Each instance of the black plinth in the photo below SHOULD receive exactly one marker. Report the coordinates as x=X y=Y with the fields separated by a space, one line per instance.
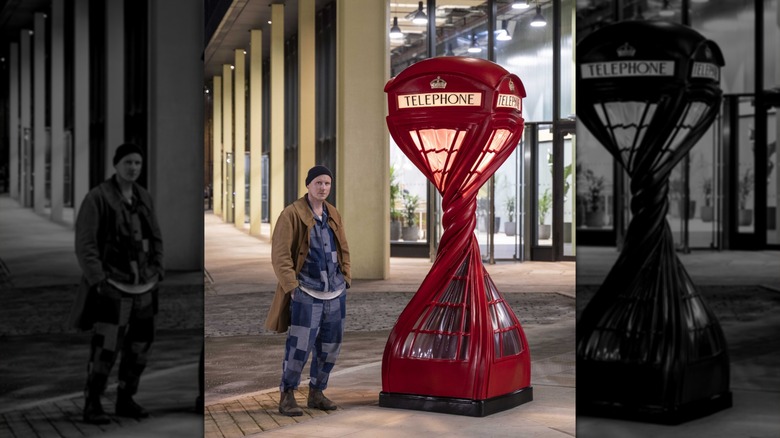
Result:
x=657 y=414
x=645 y=393
x=457 y=406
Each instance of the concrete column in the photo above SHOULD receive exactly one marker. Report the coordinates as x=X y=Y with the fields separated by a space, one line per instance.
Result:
x=216 y=120
x=176 y=128
x=13 y=121
x=276 y=194
x=363 y=157
x=255 y=130
x=57 y=109
x=25 y=118
x=80 y=102
x=227 y=142
x=239 y=103
x=40 y=141
x=307 y=34
x=115 y=79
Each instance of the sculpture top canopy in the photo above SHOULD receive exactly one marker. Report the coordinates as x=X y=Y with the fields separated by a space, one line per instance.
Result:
x=456 y=118
x=648 y=91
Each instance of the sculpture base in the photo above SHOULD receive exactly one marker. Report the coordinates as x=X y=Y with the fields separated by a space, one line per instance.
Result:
x=457 y=406
x=655 y=414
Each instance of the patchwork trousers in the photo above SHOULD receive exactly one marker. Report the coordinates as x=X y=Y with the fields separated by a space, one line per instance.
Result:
x=125 y=323
x=316 y=325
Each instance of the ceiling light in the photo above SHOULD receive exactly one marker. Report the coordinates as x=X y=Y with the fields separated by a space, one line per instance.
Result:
x=503 y=33
x=395 y=31
x=521 y=4
x=538 y=20
x=419 y=16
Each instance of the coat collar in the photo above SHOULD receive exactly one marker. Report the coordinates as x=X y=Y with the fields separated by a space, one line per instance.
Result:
x=111 y=189
x=303 y=210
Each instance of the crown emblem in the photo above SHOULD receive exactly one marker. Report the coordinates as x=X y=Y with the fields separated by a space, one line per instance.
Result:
x=708 y=52
x=511 y=86
x=438 y=83
x=625 y=50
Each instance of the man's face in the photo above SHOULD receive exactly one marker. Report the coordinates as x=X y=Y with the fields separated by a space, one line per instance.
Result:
x=319 y=188
x=129 y=167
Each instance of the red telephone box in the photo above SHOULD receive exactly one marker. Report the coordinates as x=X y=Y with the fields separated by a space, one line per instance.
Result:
x=457 y=347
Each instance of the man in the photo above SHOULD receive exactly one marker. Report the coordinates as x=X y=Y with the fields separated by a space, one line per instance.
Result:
x=310 y=256
x=119 y=248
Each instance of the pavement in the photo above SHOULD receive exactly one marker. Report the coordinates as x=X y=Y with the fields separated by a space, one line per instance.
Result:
x=243 y=360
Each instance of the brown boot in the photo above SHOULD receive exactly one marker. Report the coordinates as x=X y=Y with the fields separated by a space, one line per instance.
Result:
x=317 y=400
x=288 y=406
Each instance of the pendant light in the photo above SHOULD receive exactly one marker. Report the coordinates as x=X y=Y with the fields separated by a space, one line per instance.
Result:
x=395 y=31
x=419 y=16
x=503 y=33
x=538 y=20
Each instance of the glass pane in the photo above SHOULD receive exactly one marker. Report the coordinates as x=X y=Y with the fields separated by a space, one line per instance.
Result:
x=569 y=248
x=507 y=200
x=594 y=183
x=409 y=206
x=528 y=54
x=412 y=46
x=461 y=29
x=544 y=188
x=511 y=343
x=773 y=183
x=746 y=176
x=703 y=216
x=423 y=346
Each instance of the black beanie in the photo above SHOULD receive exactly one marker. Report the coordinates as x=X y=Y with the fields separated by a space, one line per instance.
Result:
x=126 y=149
x=316 y=171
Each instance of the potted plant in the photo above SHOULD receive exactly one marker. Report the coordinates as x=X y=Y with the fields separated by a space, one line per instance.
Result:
x=744 y=188
x=707 y=212
x=545 y=202
x=566 y=186
x=510 y=226
x=676 y=204
x=395 y=214
x=595 y=214
x=410 y=231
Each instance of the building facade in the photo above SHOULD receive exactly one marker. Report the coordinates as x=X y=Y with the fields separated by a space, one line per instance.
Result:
x=294 y=84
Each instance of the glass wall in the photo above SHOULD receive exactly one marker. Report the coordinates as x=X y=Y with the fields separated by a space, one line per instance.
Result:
x=463 y=28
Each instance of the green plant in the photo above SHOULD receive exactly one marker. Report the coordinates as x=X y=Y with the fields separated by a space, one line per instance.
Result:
x=707 y=189
x=410 y=208
x=744 y=188
x=509 y=205
x=545 y=202
x=395 y=193
x=595 y=185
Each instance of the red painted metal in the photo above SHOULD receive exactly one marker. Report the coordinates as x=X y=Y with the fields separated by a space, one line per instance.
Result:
x=457 y=119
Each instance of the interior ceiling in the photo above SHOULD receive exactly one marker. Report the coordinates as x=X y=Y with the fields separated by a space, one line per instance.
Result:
x=241 y=17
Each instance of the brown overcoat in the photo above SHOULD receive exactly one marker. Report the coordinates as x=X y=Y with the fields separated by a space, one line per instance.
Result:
x=289 y=247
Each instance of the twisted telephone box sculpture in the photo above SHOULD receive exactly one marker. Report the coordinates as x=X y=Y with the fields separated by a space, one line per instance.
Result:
x=457 y=347
x=648 y=347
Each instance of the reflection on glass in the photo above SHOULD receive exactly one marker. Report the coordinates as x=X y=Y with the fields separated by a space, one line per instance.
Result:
x=544 y=189
x=594 y=183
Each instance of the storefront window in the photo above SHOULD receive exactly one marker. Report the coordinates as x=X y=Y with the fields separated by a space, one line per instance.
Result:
x=594 y=183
